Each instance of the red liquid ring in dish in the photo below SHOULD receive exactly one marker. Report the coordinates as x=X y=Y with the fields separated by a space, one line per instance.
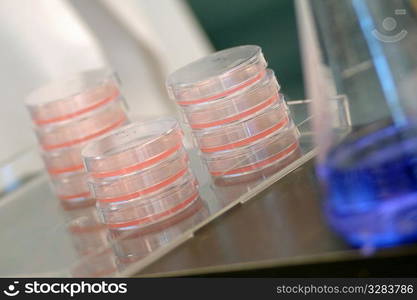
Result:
x=72 y=97
x=253 y=157
x=153 y=208
x=142 y=182
x=217 y=75
x=245 y=132
x=132 y=148
x=238 y=106
x=83 y=129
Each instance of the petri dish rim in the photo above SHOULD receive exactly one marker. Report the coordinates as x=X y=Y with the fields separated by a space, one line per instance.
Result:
x=89 y=153
x=189 y=82
x=36 y=99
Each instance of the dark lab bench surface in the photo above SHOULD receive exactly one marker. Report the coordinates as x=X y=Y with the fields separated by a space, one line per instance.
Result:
x=282 y=233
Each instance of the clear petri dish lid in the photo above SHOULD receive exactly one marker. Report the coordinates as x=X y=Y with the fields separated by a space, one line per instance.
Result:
x=133 y=147
x=217 y=75
x=71 y=97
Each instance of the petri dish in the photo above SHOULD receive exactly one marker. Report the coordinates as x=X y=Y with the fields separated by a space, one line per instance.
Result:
x=141 y=182
x=65 y=160
x=152 y=208
x=217 y=75
x=254 y=157
x=132 y=148
x=245 y=132
x=235 y=107
x=82 y=129
x=135 y=243
x=72 y=97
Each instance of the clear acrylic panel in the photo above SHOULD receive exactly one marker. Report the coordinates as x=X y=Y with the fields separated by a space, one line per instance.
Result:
x=42 y=237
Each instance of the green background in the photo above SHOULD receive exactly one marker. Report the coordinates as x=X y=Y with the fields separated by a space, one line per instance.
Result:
x=270 y=24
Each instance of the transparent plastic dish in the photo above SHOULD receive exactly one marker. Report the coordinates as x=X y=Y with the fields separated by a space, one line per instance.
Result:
x=63 y=160
x=84 y=128
x=254 y=157
x=238 y=134
x=257 y=173
x=235 y=107
x=154 y=207
x=142 y=182
x=71 y=186
x=217 y=75
x=132 y=148
x=72 y=97
x=135 y=243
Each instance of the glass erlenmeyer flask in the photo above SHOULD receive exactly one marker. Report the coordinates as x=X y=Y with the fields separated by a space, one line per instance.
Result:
x=365 y=50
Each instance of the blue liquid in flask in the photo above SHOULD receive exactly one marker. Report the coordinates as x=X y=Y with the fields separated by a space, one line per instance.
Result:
x=371 y=183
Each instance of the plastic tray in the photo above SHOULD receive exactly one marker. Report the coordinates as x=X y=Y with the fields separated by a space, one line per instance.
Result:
x=48 y=247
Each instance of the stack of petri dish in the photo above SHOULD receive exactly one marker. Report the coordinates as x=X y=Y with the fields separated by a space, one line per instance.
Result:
x=140 y=174
x=68 y=114
x=233 y=105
